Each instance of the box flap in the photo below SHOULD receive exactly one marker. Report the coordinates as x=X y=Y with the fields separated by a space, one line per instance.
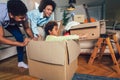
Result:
x=73 y=49
x=86 y=25
x=47 y=51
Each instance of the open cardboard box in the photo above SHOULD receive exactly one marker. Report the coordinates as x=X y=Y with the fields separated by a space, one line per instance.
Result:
x=93 y=29
x=53 y=60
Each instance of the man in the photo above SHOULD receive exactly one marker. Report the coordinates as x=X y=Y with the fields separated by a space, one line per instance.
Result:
x=12 y=15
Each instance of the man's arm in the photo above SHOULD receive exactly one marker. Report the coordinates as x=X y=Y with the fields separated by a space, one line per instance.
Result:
x=29 y=32
x=4 y=40
x=28 y=29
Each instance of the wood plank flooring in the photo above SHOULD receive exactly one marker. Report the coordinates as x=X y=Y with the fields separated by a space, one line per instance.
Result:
x=9 y=70
x=103 y=67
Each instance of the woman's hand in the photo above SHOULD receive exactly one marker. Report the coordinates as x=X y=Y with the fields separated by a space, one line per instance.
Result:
x=39 y=37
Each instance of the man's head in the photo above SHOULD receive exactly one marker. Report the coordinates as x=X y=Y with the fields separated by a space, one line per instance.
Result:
x=17 y=10
x=51 y=28
x=47 y=7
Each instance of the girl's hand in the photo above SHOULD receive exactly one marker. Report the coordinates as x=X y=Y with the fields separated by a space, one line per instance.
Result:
x=83 y=36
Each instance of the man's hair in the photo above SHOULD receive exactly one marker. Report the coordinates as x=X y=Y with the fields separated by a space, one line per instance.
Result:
x=44 y=3
x=49 y=26
x=16 y=7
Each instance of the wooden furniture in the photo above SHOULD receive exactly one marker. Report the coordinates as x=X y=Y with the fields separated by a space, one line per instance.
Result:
x=103 y=41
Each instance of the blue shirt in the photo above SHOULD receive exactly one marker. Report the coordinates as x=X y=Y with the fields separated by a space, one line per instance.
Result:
x=36 y=19
x=4 y=17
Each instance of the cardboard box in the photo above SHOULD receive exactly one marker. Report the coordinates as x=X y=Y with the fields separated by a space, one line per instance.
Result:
x=53 y=60
x=93 y=29
x=79 y=18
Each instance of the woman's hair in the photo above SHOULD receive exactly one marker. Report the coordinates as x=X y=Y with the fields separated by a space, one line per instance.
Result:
x=44 y=3
x=16 y=7
x=49 y=26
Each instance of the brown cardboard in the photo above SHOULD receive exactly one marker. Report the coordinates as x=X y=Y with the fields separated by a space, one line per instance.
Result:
x=55 y=60
x=93 y=29
x=60 y=27
x=79 y=18
x=102 y=26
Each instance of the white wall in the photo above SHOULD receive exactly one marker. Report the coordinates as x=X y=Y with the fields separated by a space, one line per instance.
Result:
x=31 y=3
x=3 y=1
x=61 y=3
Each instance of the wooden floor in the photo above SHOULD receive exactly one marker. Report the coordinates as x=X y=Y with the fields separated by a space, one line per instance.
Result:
x=104 y=67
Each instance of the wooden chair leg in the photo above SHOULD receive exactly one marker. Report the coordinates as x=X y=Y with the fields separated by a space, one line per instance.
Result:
x=95 y=50
x=116 y=43
x=106 y=42
x=113 y=55
x=103 y=47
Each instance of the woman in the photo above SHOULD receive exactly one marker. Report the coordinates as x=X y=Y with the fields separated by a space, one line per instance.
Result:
x=41 y=16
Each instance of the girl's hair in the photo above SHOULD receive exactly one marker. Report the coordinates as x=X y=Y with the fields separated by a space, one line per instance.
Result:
x=16 y=7
x=44 y=3
x=49 y=26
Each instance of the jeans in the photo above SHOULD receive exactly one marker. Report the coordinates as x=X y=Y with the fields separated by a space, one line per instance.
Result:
x=15 y=31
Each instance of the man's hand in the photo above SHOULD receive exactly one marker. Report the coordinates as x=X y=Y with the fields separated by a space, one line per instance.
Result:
x=26 y=41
